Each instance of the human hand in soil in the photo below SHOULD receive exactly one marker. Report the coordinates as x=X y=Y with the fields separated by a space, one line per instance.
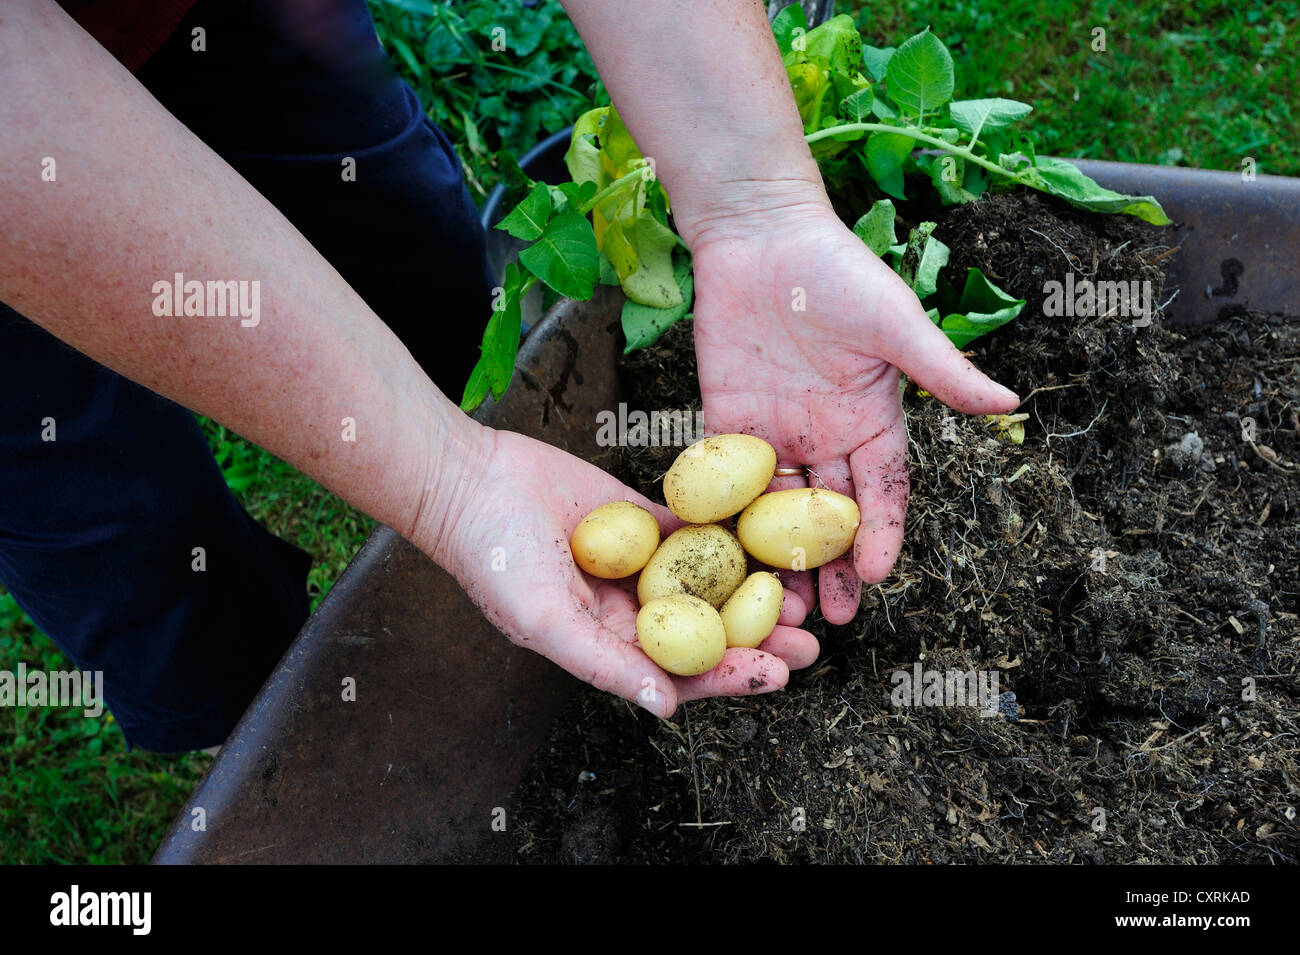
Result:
x=800 y=333
x=527 y=498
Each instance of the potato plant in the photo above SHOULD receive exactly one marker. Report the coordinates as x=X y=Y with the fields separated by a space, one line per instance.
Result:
x=872 y=117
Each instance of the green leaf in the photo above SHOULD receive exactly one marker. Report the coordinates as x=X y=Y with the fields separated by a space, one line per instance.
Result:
x=876 y=60
x=952 y=190
x=641 y=251
x=608 y=274
x=876 y=228
x=920 y=74
x=643 y=324
x=476 y=389
x=924 y=257
x=972 y=116
x=527 y=220
x=934 y=256
x=496 y=362
x=1017 y=162
x=501 y=338
x=573 y=194
x=785 y=23
x=564 y=256
x=1062 y=178
x=983 y=307
x=975 y=181
x=886 y=155
x=856 y=108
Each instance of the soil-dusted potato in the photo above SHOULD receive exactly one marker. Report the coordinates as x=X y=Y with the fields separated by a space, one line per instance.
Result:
x=615 y=540
x=705 y=561
x=682 y=634
x=718 y=476
x=799 y=529
x=751 y=612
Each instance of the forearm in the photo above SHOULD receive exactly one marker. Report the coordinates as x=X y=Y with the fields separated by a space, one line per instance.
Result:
x=136 y=198
x=703 y=91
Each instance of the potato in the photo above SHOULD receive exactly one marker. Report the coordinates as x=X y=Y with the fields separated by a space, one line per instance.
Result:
x=799 y=529
x=705 y=561
x=718 y=476
x=751 y=612
x=682 y=634
x=615 y=540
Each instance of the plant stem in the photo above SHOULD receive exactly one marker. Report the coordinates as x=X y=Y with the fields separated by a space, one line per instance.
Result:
x=637 y=175
x=489 y=65
x=914 y=134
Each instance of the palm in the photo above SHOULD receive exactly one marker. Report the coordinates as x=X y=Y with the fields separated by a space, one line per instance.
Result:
x=800 y=333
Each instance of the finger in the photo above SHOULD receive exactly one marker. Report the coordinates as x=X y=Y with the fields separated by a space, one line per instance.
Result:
x=837 y=581
x=742 y=672
x=918 y=347
x=880 y=480
x=799 y=582
x=793 y=610
x=798 y=648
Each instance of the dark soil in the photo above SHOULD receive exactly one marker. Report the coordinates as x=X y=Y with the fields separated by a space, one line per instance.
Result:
x=1129 y=572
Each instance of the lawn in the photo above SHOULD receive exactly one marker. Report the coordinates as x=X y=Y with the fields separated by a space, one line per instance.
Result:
x=1206 y=87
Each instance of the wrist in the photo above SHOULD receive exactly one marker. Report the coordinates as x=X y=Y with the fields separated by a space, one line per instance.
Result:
x=744 y=208
x=448 y=472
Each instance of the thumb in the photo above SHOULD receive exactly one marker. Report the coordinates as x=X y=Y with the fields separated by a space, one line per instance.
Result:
x=915 y=345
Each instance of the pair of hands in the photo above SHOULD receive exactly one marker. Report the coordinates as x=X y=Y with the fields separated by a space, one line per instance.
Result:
x=821 y=384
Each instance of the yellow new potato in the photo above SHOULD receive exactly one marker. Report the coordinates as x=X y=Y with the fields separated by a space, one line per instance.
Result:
x=799 y=529
x=752 y=611
x=615 y=540
x=718 y=476
x=705 y=561
x=682 y=634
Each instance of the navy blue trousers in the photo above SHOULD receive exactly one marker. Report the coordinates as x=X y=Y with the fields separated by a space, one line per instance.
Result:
x=98 y=525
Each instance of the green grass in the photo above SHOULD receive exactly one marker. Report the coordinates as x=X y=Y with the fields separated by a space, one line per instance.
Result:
x=69 y=791
x=1201 y=87
x=498 y=77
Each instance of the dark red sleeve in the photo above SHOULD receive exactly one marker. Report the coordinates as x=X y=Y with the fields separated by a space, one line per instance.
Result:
x=132 y=30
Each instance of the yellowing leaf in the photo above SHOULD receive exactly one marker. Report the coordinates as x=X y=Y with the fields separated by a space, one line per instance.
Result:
x=583 y=157
x=619 y=250
x=652 y=283
x=1008 y=427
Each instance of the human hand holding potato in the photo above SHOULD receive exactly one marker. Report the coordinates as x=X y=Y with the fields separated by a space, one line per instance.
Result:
x=695 y=600
x=528 y=498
